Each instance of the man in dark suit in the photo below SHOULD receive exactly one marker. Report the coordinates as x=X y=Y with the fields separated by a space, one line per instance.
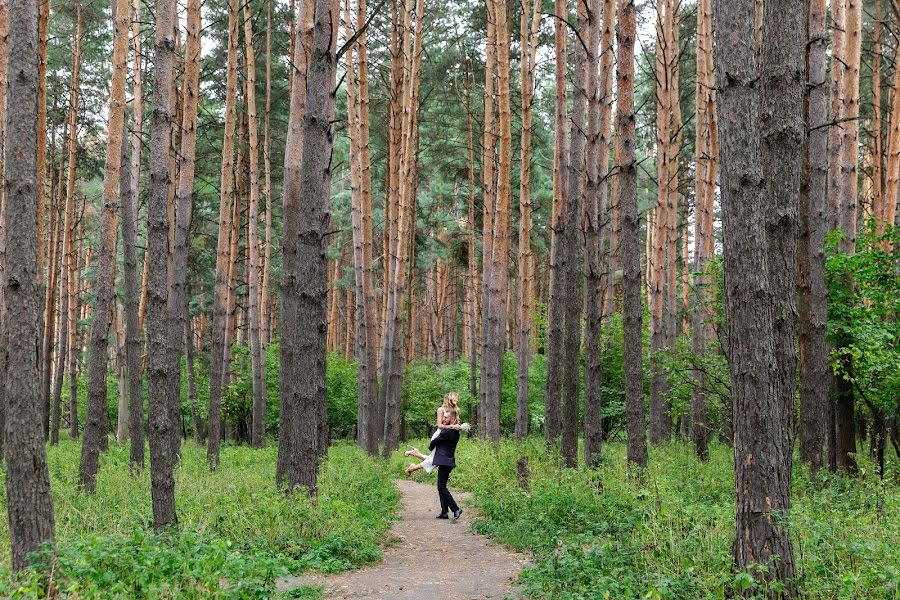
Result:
x=444 y=446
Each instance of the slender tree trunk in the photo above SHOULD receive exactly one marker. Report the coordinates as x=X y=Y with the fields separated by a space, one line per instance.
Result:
x=815 y=372
x=265 y=331
x=4 y=72
x=706 y=161
x=628 y=209
x=598 y=171
x=28 y=499
x=220 y=302
x=122 y=405
x=842 y=187
x=755 y=309
x=305 y=264
x=571 y=262
x=393 y=342
x=74 y=308
x=489 y=192
x=130 y=267
x=54 y=235
x=257 y=363
x=496 y=280
x=67 y=301
x=555 y=313
x=95 y=425
x=472 y=284
x=529 y=30
x=191 y=378
x=162 y=369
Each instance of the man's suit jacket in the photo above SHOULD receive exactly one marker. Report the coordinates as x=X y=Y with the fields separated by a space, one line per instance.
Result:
x=444 y=446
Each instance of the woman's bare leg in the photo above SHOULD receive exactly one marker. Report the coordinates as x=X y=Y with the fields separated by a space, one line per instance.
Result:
x=413 y=468
x=415 y=452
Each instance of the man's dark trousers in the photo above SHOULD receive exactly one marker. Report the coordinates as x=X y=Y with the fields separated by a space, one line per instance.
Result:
x=447 y=501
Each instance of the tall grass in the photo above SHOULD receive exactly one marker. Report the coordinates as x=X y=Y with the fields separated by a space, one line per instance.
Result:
x=604 y=534
x=237 y=533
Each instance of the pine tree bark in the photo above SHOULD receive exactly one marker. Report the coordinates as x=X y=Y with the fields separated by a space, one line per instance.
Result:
x=130 y=268
x=257 y=360
x=28 y=499
x=815 y=371
x=628 y=209
x=392 y=363
x=496 y=280
x=755 y=310
x=4 y=72
x=162 y=369
x=179 y=296
x=704 y=194
x=220 y=301
x=67 y=301
x=842 y=188
x=489 y=193
x=555 y=313
x=529 y=31
x=596 y=197
x=305 y=265
x=570 y=258
x=95 y=425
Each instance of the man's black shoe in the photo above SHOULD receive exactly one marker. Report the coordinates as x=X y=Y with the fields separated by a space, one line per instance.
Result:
x=442 y=516
x=457 y=513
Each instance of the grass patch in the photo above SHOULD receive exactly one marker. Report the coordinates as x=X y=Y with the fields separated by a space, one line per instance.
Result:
x=237 y=534
x=601 y=534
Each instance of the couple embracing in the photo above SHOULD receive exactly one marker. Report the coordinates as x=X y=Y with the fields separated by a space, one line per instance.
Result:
x=443 y=453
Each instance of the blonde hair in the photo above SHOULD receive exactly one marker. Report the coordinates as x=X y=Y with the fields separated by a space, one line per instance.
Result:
x=450 y=401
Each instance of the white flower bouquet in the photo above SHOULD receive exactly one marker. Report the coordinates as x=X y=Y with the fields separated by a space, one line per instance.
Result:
x=465 y=427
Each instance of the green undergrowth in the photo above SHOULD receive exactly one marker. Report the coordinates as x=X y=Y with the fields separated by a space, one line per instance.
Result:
x=237 y=533
x=602 y=534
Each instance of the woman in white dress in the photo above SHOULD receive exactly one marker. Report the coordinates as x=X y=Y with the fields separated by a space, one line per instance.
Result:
x=447 y=418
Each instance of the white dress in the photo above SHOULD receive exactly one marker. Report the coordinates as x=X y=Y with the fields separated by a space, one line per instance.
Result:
x=428 y=463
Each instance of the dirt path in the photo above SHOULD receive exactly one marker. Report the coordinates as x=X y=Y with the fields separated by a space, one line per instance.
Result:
x=430 y=558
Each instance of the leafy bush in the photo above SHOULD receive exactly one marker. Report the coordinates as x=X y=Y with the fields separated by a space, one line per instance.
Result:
x=236 y=532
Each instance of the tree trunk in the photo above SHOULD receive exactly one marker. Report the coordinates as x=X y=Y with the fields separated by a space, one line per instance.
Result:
x=705 y=188
x=29 y=503
x=756 y=311
x=571 y=261
x=95 y=425
x=496 y=280
x=4 y=72
x=631 y=256
x=489 y=192
x=555 y=311
x=305 y=263
x=162 y=369
x=392 y=363
x=843 y=150
x=472 y=283
x=220 y=301
x=815 y=368
x=257 y=360
x=528 y=70
x=598 y=172
x=131 y=284
x=67 y=301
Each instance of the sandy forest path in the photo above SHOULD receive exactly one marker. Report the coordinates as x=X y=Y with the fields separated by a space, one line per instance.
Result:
x=427 y=558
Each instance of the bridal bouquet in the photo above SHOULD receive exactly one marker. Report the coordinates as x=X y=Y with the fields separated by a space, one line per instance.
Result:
x=465 y=427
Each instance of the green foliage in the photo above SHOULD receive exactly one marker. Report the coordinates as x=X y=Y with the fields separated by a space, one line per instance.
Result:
x=341 y=374
x=600 y=533
x=236 y=533
x=863 y=310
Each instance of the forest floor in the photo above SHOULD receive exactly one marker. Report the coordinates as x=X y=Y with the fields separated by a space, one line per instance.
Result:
x=427 y=558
